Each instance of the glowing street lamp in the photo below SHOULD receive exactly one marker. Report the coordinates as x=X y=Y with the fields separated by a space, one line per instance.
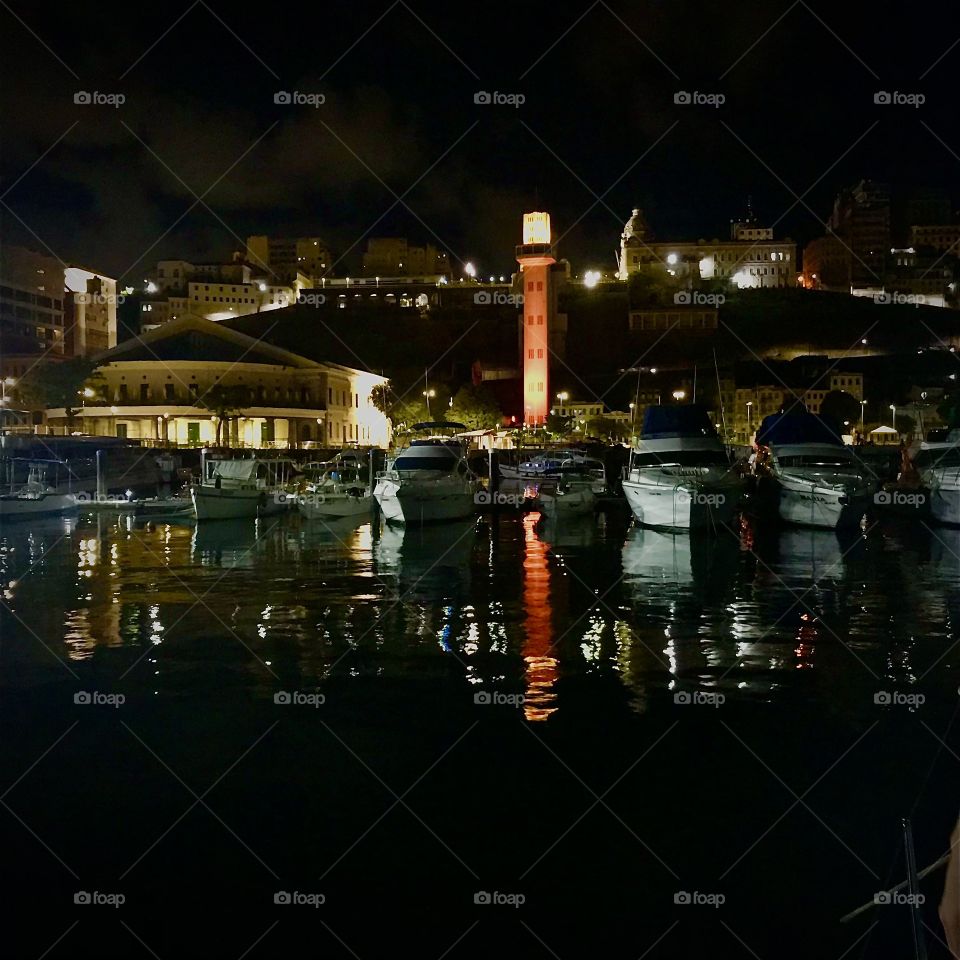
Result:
x=470 y=270
x=591 y=278
x=749 y=405
x=893 y=408
x=863 y=410
x=679 y=394
x=428 y=394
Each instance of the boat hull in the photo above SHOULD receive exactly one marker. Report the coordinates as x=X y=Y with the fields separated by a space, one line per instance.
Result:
x=402 y=503
x=217 y=503
x=677 y=508
x=815 y=508
x=329 y=506
x=15 y=508
x=575 y=504
x=945 y=505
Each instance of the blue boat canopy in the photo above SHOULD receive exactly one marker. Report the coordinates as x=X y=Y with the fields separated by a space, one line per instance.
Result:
x=780 y=429
x=689 y=420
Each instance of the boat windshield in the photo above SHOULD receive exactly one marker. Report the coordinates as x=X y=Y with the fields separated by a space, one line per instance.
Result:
x=410 y=462
x=680 y=458
x=814 y=460
x=944 y=457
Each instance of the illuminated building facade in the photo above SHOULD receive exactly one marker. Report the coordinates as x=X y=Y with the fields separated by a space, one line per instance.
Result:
x=750 y=258
x=542 y=326
x=171 y=385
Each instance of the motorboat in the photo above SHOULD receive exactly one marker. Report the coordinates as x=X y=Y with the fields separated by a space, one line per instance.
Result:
x=679 y=476
x=938 y=464
x=428 y=481
x=337 y=488
x=36 y=497
x=806 y=474
x=547 y=465
x=235 y=489
x=569 y=494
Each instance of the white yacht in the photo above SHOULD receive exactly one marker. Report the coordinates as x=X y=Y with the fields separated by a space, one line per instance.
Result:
x=234 y=489
x=36 y=497
x=337 y=488
x=679 y=476
x=428 y=481
x=807 y=475
x=938 y=463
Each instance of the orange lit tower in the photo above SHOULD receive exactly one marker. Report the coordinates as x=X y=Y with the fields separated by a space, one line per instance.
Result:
x=536 y=259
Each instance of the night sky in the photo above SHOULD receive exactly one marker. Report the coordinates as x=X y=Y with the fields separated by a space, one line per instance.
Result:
x=598 y=133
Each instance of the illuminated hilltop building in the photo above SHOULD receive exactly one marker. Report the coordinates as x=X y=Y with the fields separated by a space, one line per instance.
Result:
x=543 y=328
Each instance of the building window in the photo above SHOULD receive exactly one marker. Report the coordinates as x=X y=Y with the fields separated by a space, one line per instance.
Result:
x=539 y=321
x=539 y=285
x=168 y=391
x=194 y=390
x=144 y=391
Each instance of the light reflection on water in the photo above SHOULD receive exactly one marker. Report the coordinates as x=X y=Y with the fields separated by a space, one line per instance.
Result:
x=513 y=601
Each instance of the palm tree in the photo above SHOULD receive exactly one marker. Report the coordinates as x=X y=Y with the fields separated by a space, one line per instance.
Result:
x=224 y=403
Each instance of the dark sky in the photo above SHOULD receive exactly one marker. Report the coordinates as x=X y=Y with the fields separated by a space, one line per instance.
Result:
x=599 y=121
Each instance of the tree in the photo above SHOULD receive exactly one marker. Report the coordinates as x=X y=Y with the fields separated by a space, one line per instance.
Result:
x=476 y=408
x=224 y=402
x=840 y=406
x=60 y=383
x=557 y=425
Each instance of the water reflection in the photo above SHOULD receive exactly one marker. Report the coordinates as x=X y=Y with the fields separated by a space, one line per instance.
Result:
x=511 y=600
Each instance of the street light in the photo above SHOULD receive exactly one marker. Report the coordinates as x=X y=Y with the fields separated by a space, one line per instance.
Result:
x=863 y=410
x=749 y=405
x=893 y=407
x=470 y=270
x=428 y=394
x=679 y=394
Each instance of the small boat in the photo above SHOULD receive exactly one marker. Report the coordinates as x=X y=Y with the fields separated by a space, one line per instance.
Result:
x=938 y=464
x=337 y=488
x=548 y=464
x=805 y=474
x=235 y=489
x=428 y=481
x=36 y=497
x=570 y=494
x=679 y=476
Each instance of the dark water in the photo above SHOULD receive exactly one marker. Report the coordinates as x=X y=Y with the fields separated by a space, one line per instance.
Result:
x=669 y=714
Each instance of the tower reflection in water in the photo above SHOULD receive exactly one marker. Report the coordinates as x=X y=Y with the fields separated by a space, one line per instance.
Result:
x=540 y=664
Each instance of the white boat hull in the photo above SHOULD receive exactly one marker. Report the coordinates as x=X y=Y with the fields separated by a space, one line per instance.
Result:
x=401 y=502
x=574 y=504
x=820 y=508
x=678 y=508
x=13 y=508
x=328 y=506
x=945 y=504
x=218 y=503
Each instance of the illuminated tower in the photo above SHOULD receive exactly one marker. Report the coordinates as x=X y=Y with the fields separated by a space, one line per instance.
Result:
x=536 y=259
